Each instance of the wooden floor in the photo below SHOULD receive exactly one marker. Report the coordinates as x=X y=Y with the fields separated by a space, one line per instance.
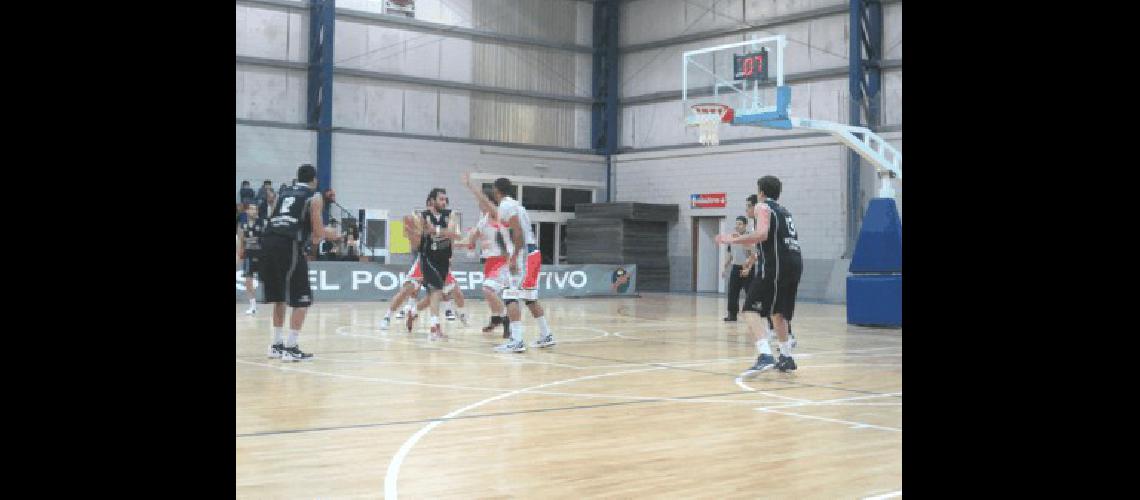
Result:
x=640 y=398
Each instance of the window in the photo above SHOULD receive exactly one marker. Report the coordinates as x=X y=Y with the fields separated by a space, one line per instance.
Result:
x=538 y=198
x=562 y=244
x=545 y=240
x=377 y=233
x=571 y=197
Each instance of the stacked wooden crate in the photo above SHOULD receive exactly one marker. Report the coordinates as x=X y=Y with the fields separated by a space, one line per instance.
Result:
x=624 y=233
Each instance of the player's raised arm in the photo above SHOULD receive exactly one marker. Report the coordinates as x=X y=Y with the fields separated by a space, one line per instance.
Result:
x=484 y=203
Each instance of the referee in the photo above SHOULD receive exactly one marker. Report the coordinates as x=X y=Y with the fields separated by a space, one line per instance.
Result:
x=738 y=278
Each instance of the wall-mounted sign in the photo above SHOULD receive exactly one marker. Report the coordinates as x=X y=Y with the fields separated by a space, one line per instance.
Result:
x=708 y=200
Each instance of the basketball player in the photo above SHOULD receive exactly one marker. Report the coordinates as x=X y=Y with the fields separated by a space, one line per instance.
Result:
x=437 y=231
x=750 y=267
x=487 y=237
x=409 y=288
x=522 y=265
x=248 y=251
x=296 y=218
x=772 y=293
x=738 y=277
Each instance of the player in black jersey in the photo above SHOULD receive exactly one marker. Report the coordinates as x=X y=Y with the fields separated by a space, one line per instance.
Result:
x=772 y=293
x=437 y=231
x=295 y=220
x=750 y=211
x=249 y=250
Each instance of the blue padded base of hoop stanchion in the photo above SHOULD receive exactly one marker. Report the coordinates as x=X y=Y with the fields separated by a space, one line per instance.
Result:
x=874 y=300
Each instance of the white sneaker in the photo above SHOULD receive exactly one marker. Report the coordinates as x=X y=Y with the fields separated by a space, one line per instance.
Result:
x=518 y=346
x=546 y=341
x=400 y=314
x=276 y=351
x=463 y=318
x=251 y=311
x=384 y=324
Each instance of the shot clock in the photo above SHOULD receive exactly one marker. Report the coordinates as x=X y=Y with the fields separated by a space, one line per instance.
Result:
x=751 y=66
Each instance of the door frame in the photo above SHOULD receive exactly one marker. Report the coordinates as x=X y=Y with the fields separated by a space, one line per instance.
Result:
x=695 y=242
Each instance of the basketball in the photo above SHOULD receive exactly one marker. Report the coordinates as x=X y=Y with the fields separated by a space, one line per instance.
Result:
x=412 y=222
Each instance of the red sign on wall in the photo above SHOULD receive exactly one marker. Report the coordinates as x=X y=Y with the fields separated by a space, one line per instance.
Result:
x=708 y=200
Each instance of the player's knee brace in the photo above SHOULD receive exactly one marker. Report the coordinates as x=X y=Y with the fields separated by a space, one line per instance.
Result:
x=529 y=302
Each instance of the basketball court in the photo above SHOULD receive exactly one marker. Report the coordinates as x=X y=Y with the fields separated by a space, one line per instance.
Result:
x=634 y=133
x=641 y=398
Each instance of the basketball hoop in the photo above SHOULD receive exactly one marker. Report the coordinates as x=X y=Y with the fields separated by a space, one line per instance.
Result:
x=708 y=117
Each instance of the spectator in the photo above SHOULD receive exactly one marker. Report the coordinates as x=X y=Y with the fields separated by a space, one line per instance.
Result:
x=352 y=252
x=265 y=205
x=330 y=250
x=246 y=194
x=266 y=187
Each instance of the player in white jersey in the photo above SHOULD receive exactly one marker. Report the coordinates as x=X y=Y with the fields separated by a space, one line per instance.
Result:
x=521 y=276
x=487 y=236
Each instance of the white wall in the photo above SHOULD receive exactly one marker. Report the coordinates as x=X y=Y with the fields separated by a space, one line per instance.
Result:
x=271 y=153
x=273 y=94
x=270 y=93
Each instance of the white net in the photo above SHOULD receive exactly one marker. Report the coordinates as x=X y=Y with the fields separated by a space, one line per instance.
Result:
x=708 y=118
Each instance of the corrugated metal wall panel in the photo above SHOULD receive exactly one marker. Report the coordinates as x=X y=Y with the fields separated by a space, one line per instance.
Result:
x=527 y=68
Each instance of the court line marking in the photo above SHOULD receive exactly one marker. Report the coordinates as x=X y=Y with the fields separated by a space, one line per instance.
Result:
x=463 y=417
x=809 y=402
x=740 y=382
x=371 y=379
x=662 y=366
x=629 y=325
x=885 y=495
x=425 y=343
x=853 y=424
x=635 y=363
x=516 y=360
x=392 y=476
x=791 y=384
x=503 y=390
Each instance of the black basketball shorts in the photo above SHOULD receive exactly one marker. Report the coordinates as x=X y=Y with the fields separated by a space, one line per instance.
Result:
x=284 y=271
x=775 y=292
x=434 y=272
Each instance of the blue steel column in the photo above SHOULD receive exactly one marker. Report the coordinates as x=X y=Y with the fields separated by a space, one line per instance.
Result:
x=322 y=20
x=865 y=81
x=855 y=86
x=604 y=120
x=873 y=43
